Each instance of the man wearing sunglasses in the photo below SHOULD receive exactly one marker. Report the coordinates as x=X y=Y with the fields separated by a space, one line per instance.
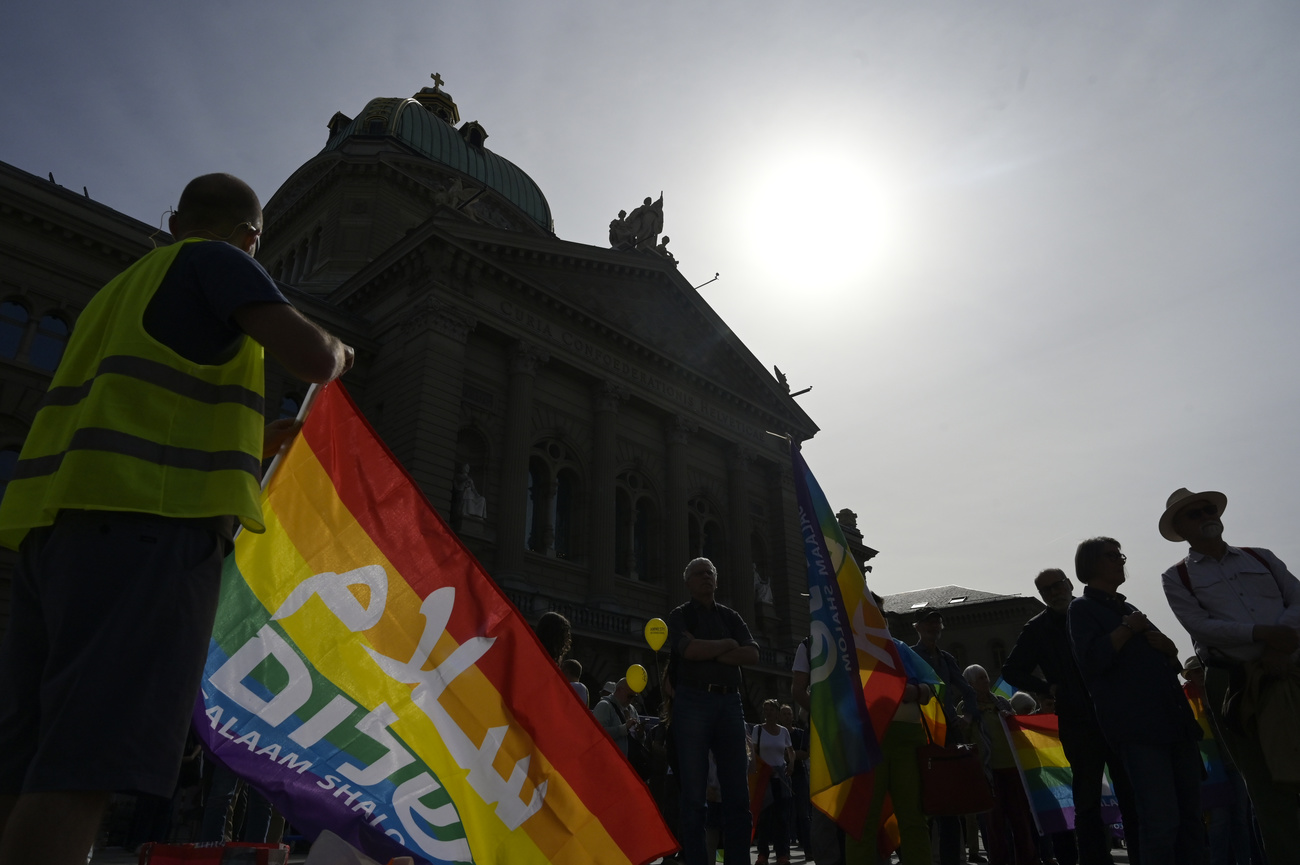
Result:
x=1242 y=607
x=1044 y=644
x=143 y=457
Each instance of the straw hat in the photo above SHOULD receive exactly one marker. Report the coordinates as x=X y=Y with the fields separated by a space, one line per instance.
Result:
x=1181 y=498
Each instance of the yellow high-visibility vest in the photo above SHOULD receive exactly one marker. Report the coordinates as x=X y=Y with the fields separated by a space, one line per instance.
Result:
x=130 y=425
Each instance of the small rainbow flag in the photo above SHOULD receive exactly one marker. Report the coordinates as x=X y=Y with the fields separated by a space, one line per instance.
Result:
x=1217 y=790
x=1046 y=774
x=1002 y=689
x=369 y=678
x=854 y=691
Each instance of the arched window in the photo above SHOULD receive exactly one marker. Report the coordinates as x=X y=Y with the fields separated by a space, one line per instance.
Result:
x=13 y=322
x=48 y=344
x=554 y=499
x=958 y=651
x=636 y=529
x=706 y=536
x=538 y=493
x=563 y=514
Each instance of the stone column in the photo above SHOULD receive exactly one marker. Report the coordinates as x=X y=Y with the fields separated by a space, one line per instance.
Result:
x=740 y=577
x=677 y=433
x=427 y=444
x=512 y=510
x=605 y=399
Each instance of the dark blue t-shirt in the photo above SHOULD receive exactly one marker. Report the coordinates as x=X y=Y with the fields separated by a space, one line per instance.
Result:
x=191 y=312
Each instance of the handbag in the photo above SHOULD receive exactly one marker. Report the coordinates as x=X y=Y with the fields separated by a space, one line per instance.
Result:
x=953 y=782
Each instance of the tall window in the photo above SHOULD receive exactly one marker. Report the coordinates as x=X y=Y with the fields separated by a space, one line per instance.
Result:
x=999 y=652
x=636 y=529
x=13 y=321
x=554 y=499
x=49 y=342
x=705 y=532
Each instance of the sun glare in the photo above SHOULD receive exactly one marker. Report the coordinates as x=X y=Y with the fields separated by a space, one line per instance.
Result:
x=816 y=219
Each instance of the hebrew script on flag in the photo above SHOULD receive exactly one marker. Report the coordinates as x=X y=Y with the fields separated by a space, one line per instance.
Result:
x=368 y=677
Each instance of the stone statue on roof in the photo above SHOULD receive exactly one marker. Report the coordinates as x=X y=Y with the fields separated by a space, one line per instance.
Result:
x=646 y=222
x=620 y=236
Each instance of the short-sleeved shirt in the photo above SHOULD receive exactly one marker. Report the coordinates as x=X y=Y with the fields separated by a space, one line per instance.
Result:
x=771 y=746
x=192 y=312
x=706 y=623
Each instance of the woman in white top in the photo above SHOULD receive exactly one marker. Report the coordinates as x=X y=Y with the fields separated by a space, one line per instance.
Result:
x=772 y=741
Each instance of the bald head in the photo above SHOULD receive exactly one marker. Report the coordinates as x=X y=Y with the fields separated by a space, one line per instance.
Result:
x=215 y=205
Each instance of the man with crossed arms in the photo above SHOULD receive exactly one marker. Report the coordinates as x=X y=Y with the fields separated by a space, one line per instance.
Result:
x=1242 y=607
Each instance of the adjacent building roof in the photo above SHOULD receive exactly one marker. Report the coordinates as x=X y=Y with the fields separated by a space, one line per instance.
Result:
x=940 y=597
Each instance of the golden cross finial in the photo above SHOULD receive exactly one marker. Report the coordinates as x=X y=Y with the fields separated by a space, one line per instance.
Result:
x=437 y=80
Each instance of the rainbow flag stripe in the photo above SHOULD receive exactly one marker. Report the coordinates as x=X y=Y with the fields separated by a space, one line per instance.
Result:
x=369 y=678
x=1217 y=790
x=1046 y=774
x=1002 y=689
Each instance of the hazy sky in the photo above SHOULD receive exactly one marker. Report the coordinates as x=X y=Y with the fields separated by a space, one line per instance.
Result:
x=1037 y=259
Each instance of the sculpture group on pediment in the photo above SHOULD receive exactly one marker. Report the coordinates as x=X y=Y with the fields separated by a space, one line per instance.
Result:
x=640 y=229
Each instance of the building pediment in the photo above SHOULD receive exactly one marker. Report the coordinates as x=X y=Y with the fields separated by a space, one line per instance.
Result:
x=631 y=314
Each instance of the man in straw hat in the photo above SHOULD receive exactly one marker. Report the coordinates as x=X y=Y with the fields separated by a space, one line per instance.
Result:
x=1242 y=607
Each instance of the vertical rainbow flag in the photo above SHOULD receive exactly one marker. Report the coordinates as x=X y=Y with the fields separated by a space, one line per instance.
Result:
x=1046 y=774
x=1217 y=789
x=369 y=678
x=855 y=674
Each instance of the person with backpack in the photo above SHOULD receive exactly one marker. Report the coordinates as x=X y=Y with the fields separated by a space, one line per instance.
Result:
x=616 y=715
x=1242 y=607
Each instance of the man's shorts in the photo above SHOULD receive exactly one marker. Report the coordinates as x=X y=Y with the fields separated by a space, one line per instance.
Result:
x=110 y=619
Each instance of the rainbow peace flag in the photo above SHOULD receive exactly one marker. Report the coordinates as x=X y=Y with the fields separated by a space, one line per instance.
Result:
x=855 y=674
x=1046 y=774
x=1217 y=790
x=369 y=678
x=854 y=692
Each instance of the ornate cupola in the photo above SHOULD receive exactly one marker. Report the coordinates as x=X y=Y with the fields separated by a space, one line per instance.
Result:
x=438 y=102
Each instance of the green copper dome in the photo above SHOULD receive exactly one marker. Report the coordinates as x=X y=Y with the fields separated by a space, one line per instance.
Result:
x=416 y=126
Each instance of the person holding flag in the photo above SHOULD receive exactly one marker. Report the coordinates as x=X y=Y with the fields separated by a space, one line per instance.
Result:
x=123 y=502
x=1044 y=645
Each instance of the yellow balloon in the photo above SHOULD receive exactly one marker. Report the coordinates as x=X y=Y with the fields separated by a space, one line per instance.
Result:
x=637 y=678
x=656 y=632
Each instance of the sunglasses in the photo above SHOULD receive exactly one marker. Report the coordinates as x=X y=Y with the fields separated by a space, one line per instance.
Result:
x=1204 y=512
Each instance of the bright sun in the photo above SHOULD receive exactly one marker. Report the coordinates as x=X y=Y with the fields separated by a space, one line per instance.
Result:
x=816 y=219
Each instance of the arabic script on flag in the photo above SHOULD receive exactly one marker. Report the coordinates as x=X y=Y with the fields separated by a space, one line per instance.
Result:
x=369 y=678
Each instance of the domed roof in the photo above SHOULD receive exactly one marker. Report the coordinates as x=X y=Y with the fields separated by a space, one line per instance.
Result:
x=418 y=128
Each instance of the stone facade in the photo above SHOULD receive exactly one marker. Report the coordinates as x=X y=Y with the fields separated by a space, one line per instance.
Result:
x=612 y=424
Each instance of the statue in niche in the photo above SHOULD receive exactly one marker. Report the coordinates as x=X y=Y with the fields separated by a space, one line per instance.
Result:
x=620 y=236
x=466 y=501
x=762 y=589
x=645 y=223
x=451 y=194
x=662 y=249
